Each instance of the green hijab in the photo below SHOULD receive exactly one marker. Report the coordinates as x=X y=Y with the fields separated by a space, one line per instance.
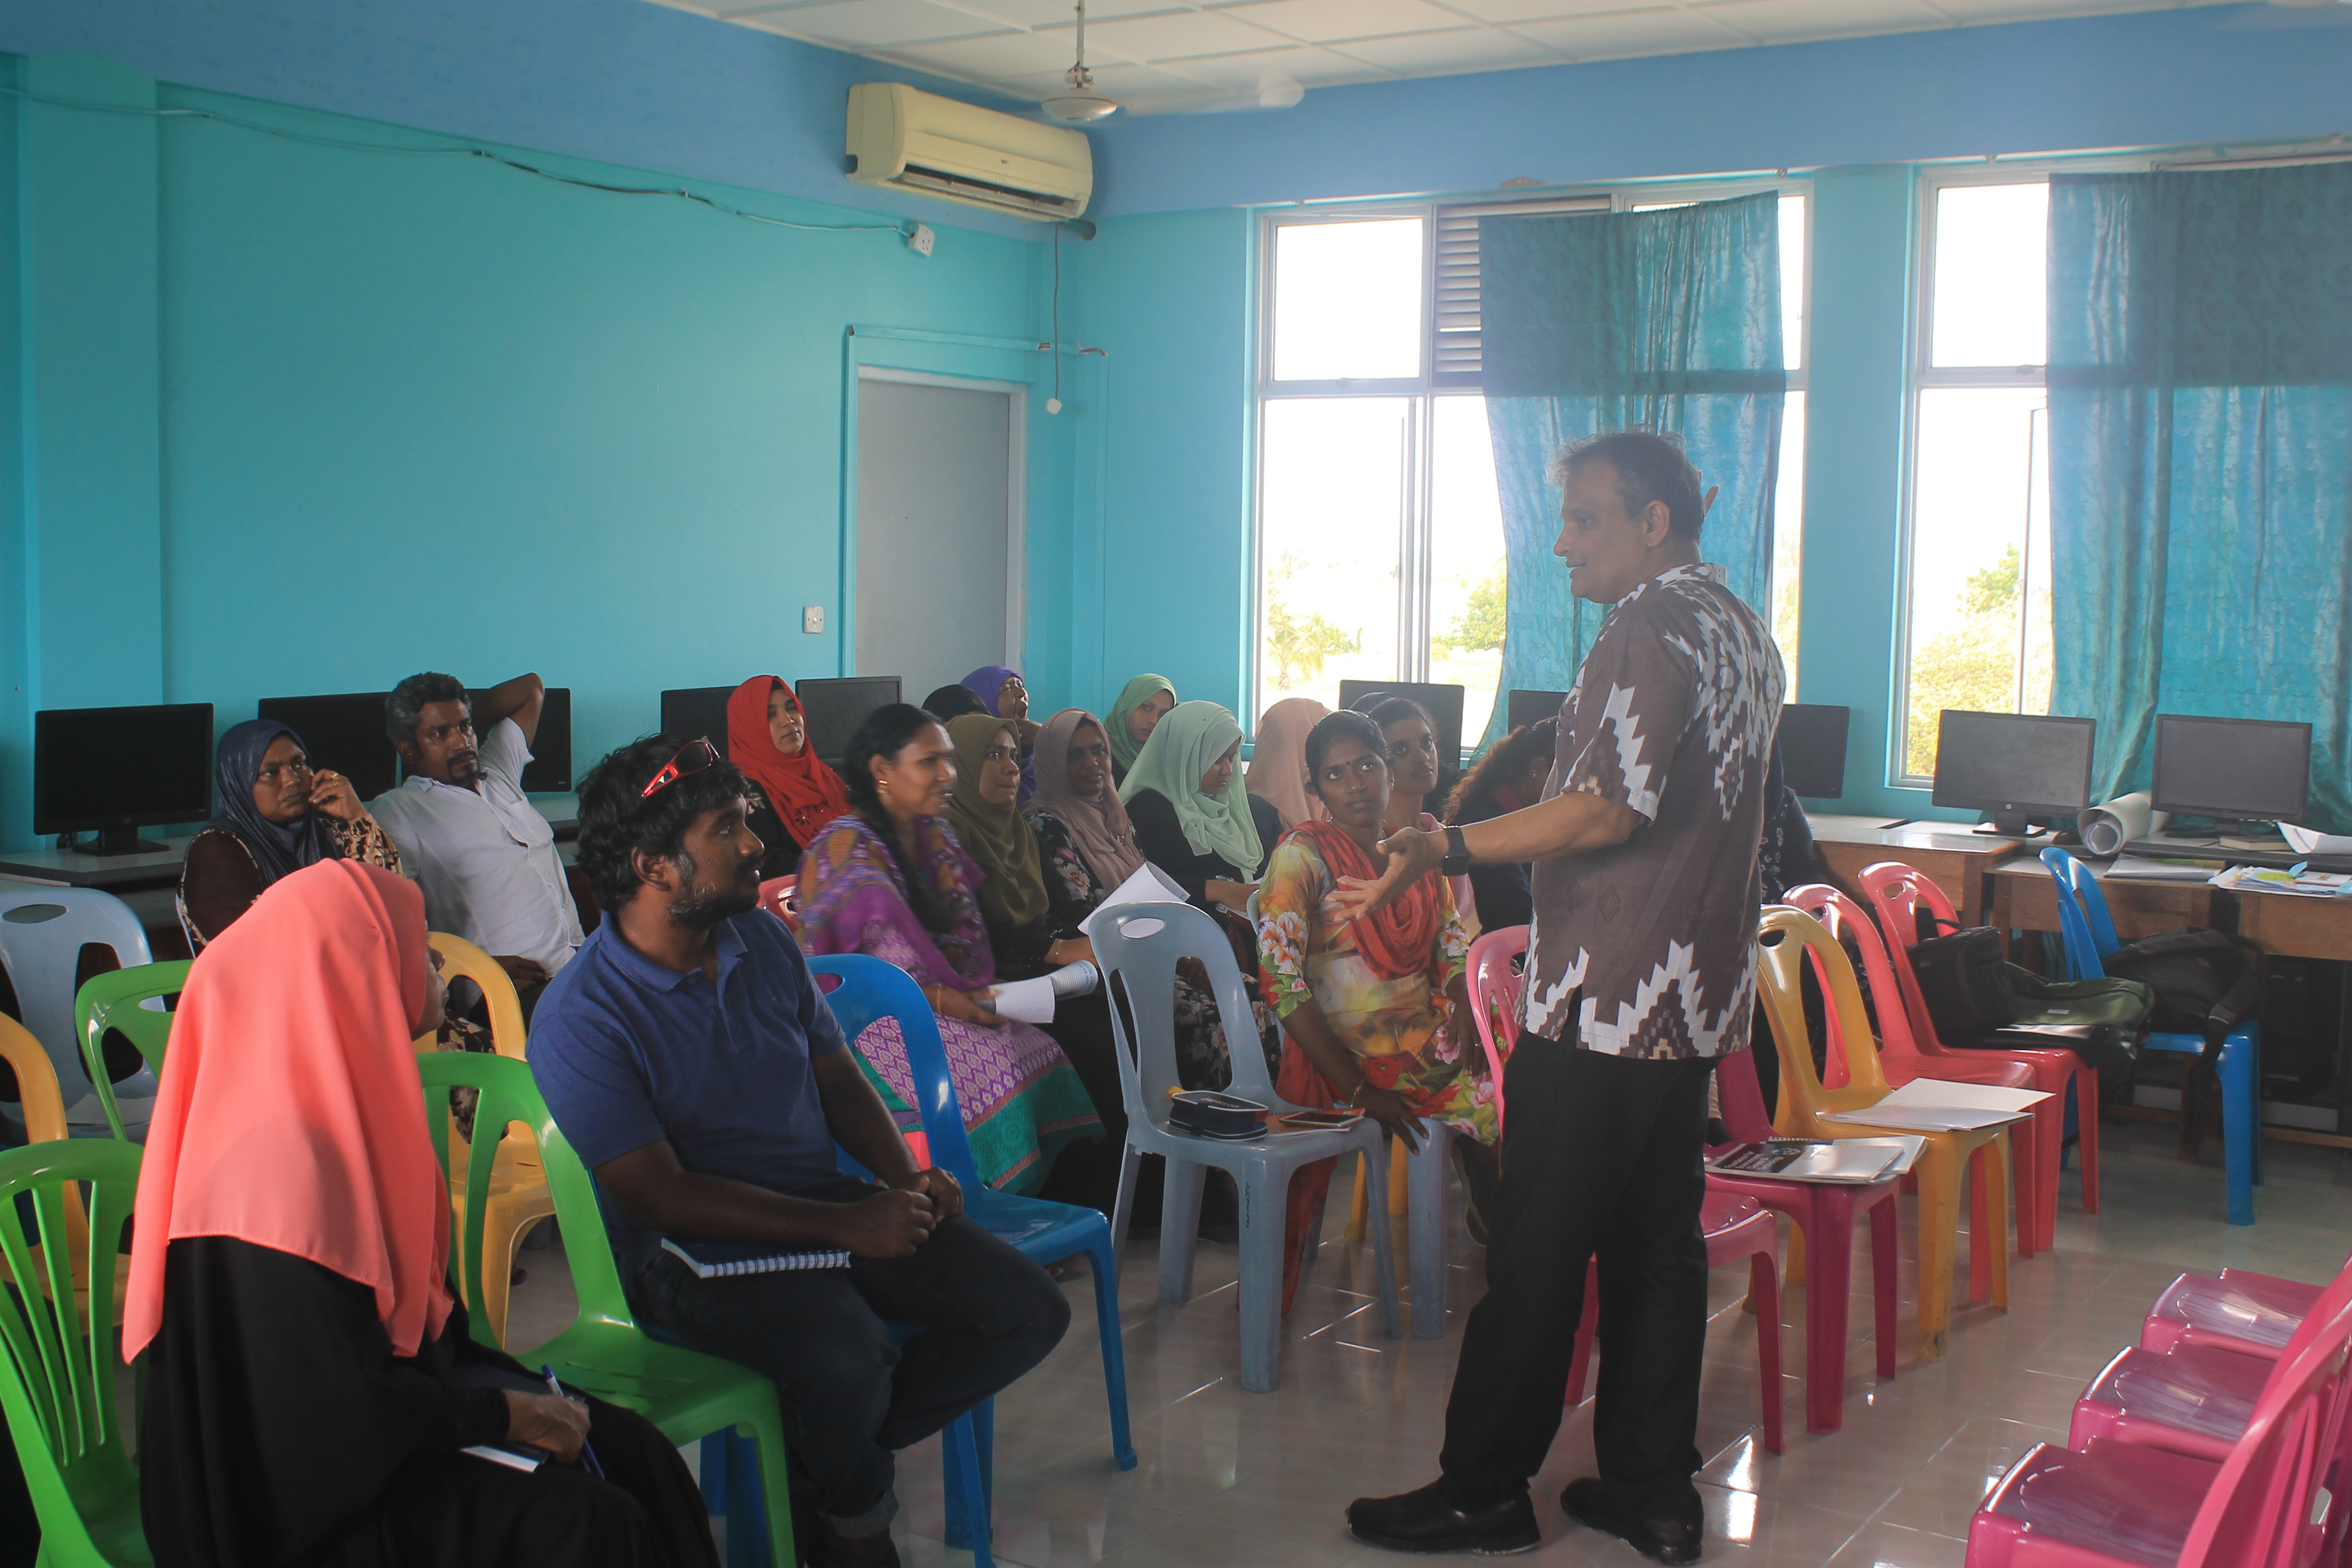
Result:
x=995 y=835
x=1191 y=736
x=1125 y=747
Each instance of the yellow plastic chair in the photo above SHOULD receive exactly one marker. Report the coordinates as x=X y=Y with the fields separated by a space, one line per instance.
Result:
x=43 y=1105
x=517 y=1197
x=1784 y=939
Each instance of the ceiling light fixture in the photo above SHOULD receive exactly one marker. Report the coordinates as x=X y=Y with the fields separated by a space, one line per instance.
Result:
x=1081 y=103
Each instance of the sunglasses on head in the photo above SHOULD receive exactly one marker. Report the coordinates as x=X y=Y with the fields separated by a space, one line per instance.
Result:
x=692 y=758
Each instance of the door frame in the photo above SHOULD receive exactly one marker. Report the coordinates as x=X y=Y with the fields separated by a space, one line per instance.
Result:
x=1016 y=501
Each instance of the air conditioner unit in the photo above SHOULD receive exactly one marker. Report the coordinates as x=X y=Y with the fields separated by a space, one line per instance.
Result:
x=901 y=139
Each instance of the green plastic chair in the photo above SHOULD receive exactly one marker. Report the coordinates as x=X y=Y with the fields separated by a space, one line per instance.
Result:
x=57 y=1383
x=684 y=1392
x=112 y=1001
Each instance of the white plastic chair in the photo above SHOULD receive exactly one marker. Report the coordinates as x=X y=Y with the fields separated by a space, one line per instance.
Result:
x=42 y=934
x=1137 y=946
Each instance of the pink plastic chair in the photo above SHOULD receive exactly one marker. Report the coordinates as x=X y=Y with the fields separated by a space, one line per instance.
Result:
x=1734 y=1223
x=1895 y=893
x=1900 y=1058
x=2250 y=1314
x=2263 y=1506
x=776 y=898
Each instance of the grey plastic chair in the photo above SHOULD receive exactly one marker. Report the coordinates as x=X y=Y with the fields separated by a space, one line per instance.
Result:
x=1137 y=946
x=42 y=934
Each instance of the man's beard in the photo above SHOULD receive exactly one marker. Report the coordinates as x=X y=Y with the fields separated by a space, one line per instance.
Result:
x=701 y=910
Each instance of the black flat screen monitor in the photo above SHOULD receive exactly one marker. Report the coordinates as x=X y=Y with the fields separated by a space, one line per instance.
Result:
x=1532 y=707
x=2238 y=770
x=1812 y=748
x=697 y=710
x=1443 y=704
x=549 y=771
x=2013 y=765
x=117 y=770
x=344 y=733
x=837 y=707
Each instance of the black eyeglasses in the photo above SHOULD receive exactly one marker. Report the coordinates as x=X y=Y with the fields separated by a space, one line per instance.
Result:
x=692 y=758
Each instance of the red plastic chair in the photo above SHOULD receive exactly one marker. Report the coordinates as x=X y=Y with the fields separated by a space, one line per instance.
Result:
x=1736 y=1223
x=776 y=897
x=1900 y=1058
x=1895 y=893
x=2263 y=1506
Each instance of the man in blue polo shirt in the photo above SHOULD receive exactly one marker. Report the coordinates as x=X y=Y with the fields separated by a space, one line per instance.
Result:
x=688 y=1054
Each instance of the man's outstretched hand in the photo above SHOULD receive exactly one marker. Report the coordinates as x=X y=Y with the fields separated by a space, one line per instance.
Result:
x=1412 y=854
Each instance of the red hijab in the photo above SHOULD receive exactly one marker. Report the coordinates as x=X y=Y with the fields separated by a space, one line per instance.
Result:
x=1398 y=939
x=806 y=792
x=290 y=1114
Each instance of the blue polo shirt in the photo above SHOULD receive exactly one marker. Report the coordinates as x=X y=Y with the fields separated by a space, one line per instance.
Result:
x=628 y=1053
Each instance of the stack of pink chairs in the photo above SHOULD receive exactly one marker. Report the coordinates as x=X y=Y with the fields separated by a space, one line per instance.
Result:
x=2218 y=1441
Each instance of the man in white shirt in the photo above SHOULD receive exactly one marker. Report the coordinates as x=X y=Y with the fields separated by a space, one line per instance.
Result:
x=484 y=856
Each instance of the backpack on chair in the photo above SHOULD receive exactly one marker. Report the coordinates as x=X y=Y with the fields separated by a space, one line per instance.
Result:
x=2206 y=983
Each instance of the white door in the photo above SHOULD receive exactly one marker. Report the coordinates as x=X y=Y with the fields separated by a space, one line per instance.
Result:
x=939 y=556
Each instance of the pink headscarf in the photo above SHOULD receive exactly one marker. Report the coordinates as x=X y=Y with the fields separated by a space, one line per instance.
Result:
x=290 y=1114
x=1277 y=768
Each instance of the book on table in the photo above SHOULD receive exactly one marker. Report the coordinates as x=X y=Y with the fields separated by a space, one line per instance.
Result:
x=726 y=1259
x=1939 y=1105
x=1846 y=1161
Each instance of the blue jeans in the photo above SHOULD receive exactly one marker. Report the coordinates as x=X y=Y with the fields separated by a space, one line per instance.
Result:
x=850 y=1397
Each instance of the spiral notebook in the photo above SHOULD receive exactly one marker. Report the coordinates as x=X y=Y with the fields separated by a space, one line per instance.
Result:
x=725 y=1259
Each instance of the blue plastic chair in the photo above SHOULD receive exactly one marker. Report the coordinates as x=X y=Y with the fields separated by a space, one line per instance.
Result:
x=2088 y=933
x=1043 y=1232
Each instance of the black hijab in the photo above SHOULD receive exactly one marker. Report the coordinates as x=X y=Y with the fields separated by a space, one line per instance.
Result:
x=277 y=850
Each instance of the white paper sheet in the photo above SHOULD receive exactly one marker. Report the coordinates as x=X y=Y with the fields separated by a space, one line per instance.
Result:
x=2126 y=819
x=1939 y=1105
x=2306 y=842
x=1032 y=1000
x=1149 y=885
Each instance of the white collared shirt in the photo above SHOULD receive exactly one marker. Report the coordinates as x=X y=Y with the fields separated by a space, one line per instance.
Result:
x=486 y=859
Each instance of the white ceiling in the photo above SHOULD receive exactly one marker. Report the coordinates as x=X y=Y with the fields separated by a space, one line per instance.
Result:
x=1180 y=54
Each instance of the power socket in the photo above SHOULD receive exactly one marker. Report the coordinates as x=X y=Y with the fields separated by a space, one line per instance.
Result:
x=813 y=618
x=920 y=239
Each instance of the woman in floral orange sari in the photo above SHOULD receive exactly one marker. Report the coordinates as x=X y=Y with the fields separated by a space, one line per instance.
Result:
x=1375 y=1012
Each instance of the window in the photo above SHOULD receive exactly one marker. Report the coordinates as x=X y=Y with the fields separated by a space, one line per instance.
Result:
x=1379 y=534
x=1978 y=611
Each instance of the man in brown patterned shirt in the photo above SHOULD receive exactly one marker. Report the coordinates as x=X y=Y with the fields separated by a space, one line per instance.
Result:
x=1641 y=970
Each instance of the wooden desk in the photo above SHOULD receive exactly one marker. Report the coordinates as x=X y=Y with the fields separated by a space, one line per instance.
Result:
x=2296 y=927
x=2025 y=898
x=1950 y=856
x=115 y=873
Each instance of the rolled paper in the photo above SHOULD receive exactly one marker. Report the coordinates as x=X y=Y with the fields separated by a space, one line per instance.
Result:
x=2126 y=819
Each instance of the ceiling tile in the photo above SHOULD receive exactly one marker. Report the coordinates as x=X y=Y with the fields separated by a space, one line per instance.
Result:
x=1618 y=34
x=1781 y=21
x=991 y=58
x=2023 y=10
x=1469 y=48
x=1322 y=21
x=1516 y=11
x=872 y=24
x=1061 y=13
x=1309 y=68
x=1151 y=39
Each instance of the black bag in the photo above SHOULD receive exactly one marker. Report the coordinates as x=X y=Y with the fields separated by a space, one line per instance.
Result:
x=1965 y=982
x=2206 y=982
x=2102 y=1021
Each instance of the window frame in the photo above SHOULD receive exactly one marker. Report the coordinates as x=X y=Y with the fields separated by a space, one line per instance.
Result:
x=1414 y=554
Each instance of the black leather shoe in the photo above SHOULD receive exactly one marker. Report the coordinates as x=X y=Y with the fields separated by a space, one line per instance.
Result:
x=1429 y=1520
x=1593 y=1503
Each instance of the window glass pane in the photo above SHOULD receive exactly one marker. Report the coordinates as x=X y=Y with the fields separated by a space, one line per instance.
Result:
x=1793 y=283
x=1788 y=534
x=1347 y=299
x=1330 y=519
x=1989 y=287
x=1465 y=560
x=1980 y=561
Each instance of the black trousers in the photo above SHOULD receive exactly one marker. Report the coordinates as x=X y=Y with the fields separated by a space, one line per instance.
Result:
x=1602 y=1157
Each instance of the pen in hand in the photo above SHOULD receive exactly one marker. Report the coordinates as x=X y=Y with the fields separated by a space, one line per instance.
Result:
x=587 y=1454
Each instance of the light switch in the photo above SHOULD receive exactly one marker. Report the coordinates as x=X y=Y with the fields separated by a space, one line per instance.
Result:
x=813 y=618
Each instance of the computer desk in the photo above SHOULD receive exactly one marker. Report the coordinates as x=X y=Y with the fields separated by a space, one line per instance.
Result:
x=1950 y=856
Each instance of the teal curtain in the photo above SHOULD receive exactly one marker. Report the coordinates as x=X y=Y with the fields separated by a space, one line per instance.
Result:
x=2201 y=470
x=1667 y=320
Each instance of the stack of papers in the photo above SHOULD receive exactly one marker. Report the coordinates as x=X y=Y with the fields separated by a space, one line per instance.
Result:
x=2160 y=868
x=2263 y=880
x=1855 y=1161
x=1937 y=1105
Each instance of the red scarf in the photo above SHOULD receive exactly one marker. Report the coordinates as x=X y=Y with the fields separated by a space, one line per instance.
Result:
x=806 y=793
x=1398 y=939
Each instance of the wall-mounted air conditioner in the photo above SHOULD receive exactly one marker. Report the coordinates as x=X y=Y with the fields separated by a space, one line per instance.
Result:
x=901 y=139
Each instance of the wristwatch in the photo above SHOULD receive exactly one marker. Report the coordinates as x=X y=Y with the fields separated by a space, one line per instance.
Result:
x=1457 y=855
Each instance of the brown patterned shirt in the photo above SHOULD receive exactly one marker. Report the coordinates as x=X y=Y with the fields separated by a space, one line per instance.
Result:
x=1648 y=947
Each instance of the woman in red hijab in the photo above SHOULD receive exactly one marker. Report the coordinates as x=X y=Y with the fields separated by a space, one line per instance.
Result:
x=793 y=793
x=311 y=1383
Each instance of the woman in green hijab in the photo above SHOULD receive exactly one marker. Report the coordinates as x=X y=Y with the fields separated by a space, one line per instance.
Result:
x=1193 y=818
x=1141 y=705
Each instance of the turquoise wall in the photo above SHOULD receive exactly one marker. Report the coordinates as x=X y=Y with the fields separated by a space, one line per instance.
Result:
x=301 y=419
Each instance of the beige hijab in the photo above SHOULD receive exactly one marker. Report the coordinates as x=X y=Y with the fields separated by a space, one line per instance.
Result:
x=1277 y=768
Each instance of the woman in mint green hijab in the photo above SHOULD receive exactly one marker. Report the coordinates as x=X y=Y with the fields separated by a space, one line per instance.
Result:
x=1192 y=817
x=1142 y=704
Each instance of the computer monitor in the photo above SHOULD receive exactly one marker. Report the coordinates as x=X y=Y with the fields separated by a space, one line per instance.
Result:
x=2238 y=770
x=2013 y=765
x=342 y=732
x=1812 y=748
x=1525 y=708
x=549 y=770
x=117 y=770
x=837 y=707
x=693 y=710
x=1443 y=704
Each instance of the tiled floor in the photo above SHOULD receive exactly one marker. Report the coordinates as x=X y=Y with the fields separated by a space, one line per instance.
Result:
x=1229 y=1478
